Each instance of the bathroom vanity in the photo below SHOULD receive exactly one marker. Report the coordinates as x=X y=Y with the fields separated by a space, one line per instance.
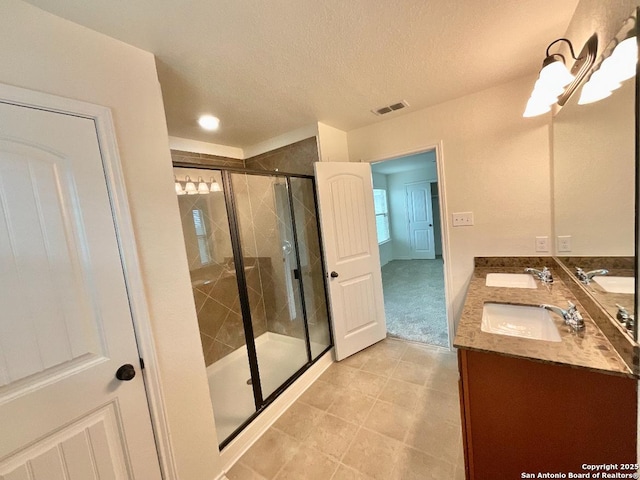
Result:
x=534 y=406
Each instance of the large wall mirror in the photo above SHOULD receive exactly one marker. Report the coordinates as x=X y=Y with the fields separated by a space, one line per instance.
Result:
x=594 y=186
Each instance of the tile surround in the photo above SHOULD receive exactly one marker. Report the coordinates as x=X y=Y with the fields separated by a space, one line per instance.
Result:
x=295 y=158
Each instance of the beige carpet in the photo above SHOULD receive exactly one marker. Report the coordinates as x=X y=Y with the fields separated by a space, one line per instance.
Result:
x=414 y=301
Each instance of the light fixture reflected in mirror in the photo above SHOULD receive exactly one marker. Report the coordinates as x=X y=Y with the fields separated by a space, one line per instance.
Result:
x=203 y=188
x=189 y=186
x=179 y=189
x=214 y=186
x=618 y=67
x=556 y=83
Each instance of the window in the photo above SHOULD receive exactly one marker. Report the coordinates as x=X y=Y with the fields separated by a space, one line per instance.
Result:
x=382 y=214
x=201 y=235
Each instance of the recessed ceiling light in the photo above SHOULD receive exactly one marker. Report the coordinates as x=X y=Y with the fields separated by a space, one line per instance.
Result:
x=209 y=122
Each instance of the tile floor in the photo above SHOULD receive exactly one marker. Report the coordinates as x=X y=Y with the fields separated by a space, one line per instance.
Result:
x=389 y=412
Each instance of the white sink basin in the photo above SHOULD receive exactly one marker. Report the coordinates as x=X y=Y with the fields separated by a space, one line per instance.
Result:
x=519 y=321
x=616 y=284
x=510 y=280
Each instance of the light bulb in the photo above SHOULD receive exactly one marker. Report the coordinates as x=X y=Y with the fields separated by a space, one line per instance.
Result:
x=546 y=92
x=209 y=122
x=189 y=186
x=179 y=189
x=214 y=187
x=592 y=92
x=202 y=187
x=555 y=73
x=535 y=108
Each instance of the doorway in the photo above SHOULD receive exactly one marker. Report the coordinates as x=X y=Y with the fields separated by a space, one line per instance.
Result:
x=408 y=216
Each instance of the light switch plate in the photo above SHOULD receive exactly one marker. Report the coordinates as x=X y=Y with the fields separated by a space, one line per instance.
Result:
x=564 y=243
x=462 y=219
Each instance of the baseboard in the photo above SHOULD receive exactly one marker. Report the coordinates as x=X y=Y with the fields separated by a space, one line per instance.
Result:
x=232 y=452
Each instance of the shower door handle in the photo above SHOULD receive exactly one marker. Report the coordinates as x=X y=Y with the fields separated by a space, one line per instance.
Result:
x=334 y=274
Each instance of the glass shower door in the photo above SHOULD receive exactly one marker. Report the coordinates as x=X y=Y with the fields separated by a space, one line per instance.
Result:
x=311 y=267
x=208 y=244
x=268 y=244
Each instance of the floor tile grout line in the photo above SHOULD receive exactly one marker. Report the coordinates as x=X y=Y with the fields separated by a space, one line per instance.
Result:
x=360 y=426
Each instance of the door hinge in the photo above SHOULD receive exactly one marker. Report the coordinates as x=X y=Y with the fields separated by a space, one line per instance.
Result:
x=141 y=363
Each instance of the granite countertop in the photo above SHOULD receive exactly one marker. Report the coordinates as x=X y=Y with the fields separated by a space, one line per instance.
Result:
x=589 y=348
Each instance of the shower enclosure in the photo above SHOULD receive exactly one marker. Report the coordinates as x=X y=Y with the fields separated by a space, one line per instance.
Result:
x=255 y=259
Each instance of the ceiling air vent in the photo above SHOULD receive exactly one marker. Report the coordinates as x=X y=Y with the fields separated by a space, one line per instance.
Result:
x=390 y=108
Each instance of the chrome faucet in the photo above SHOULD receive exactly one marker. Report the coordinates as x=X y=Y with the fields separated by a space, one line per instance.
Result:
x=571 y=316
x=585 y=277
x=544 y=275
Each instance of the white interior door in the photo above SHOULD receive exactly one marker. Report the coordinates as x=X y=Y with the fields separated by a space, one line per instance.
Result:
x=420 y=213
x=347 y=218
x=65 y=321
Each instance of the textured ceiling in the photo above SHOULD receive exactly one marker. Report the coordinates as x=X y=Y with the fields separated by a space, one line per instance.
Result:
x=268 y=67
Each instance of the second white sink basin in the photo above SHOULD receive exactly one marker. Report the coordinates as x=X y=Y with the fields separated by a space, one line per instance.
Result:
x=616 y=284
x=519 y=321
x=510 y=280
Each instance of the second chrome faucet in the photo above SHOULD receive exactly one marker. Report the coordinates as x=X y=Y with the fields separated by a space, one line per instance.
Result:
x=585 y=277
x=544 y=275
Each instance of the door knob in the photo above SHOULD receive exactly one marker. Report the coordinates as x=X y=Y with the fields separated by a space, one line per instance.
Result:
x=126 y=372
x=334 y=274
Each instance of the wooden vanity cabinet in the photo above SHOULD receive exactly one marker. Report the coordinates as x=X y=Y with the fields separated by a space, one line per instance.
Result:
x=521 y=416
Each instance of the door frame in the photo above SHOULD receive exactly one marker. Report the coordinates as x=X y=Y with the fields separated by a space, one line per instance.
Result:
x=132 y=272
x=444 y=224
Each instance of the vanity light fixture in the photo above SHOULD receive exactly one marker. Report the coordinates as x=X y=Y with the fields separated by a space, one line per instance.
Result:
x=556 y=83
x=621 y=65
x=189 y=187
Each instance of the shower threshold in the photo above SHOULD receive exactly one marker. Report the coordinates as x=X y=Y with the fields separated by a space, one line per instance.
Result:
x=279 y=356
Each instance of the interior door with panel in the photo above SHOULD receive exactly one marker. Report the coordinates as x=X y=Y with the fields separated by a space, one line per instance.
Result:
x=420 y=213
x=66 y=329
x=347 y=218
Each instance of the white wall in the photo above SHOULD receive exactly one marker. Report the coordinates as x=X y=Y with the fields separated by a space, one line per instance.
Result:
x=398 y=206
x=386 y=249
x=332 y=144
x=42 y=52
x=496 y=165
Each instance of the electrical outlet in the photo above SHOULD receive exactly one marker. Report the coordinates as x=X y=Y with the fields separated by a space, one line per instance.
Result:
x=542 y=244
x=564 y=243
x=462 y=219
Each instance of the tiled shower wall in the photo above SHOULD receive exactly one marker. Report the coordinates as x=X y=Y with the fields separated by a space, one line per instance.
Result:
x=298 y=157
x=214 y=286
x=295 y=158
